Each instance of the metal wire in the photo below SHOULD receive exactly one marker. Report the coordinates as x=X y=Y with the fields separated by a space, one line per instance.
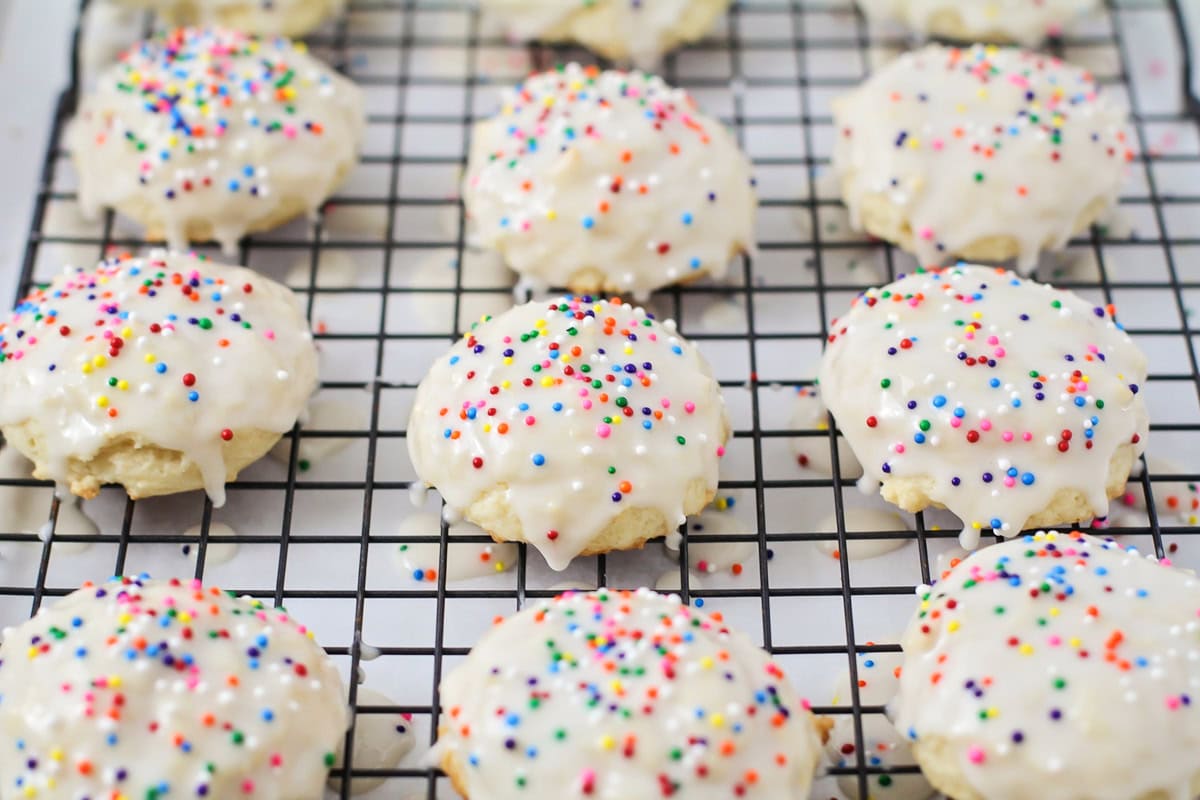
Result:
x=339 y=43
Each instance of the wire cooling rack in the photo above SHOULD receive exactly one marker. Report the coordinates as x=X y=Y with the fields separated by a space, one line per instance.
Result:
x=320 y=534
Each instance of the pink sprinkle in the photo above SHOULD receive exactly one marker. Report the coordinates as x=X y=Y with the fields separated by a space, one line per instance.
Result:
x=985 y=424
x=899 y=448
x=603 y=430
x=926 y=233
x=196 y=584
x=269 y=334
x=689 y=406
x=1000 y=352
x=1054 y=641
x=248 y=786
x=666 y=402
x=975 y=754
x=721 y=452
x=938 y=144
x=1027 y=436
x=993 y=340
x=289 y=131
x=1173 y=703
x=530 y=420
x=587 y=405
x=1007 y=436
x=587 y=781
x=1010 y=481
x=276 y=760
x=955 y=422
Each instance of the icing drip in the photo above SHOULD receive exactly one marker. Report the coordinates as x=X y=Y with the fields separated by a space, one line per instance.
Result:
x=977 y=144
x=381 y=741
x=144 y=688
x=620 y=695
x=171 y=350
x=574 y=410
x=985 y=393
x=1057 y=665
x=204 y=131
x=611 y=173
x=884 y=747
x=1026 y=21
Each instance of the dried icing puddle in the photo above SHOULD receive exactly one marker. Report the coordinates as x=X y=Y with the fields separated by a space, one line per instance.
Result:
x=220 y=548
x=464 y=561
x=813 y=452
x=716 y=521
x=862 y=520
x=324 y=414
x=26 y=509
x=381 y=741
x=878 y=682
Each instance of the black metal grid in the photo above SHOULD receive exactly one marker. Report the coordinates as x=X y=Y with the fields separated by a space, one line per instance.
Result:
x=797 y=34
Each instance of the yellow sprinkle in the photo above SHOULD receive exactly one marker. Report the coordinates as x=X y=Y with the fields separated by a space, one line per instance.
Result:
x=126 y=332
x=114 y=681
x=617 y=687
x=952 y=626
x=172 y=140
x=718 y=720
x=914 y=143
x=977 y=525
x=576 y=86
x=961 y=108
x=499 y=566
x=552 y=214
x=977 y=314
x=993 y=712
x=549 y=101
x=99 y=361
x=301 y=47
x=311 y=634
x=56 y=754
x=1026 y=649
x=707 y=662
x=184 y=617
x=541 y=323
x=487 y=428
x=504 y=384
x=1074 y=641
x=628 y=349
x=102 y=401
x=123 y=385
x=1054 y=612
x=30 y=791
x=151 y=358
x=547 y=381
x=32 y=653
x=86 y=369
x=608 y=742
x=124 y=620
x=507 y=361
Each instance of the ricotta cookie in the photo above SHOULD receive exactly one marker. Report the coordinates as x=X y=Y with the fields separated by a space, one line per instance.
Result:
x=1055 y=666
x=608 y=181
x=982 y=153
x=260 y=17
x=1011 y=403
x=617 y=29
x=580 y=426
x=141 y=688
x=1027 y=22
x=206 y=133
x=163 y=374
x=621 y=694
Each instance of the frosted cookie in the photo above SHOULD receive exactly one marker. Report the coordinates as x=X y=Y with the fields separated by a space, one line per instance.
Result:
x=608 y=181
x=260 y=17
x=883 y=746
x=982 y=153
x=615 y=29
x=1055 y=666
x=622 y=694
x=1028 y=22
x=1011 y=403
x=163 y=374
x=208 y=133
x=578 y=426
x=141 y=688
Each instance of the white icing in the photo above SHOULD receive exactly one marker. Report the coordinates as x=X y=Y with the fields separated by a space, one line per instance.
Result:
x=915 y=344
x=952 y=140
x=220 y=548
x=707 y=557
x=812 y=452
x=464 y=560
x=193 y=128
x=884 y=747
x=24 y=509
x=63 y=368
x=109 y=694
x=998 y=647
x=619 y=29
x=264 y=17
x=607 y=388
x=324 y=414
x=611 y=171
x=690 y=686
x=1026 y=21
x=862 y=520
x=381 y=741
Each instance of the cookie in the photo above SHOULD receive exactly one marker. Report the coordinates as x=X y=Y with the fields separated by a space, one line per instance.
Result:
x=207 y=133
x=982 y=153
x=608 y=181
x=142 y=688
x=616 y=29
x=163 y=374
x=579 y=426
x=1056 y=666
x=1027 y=22
x=1009 y=402
x=622 y=694
x=260 y=17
